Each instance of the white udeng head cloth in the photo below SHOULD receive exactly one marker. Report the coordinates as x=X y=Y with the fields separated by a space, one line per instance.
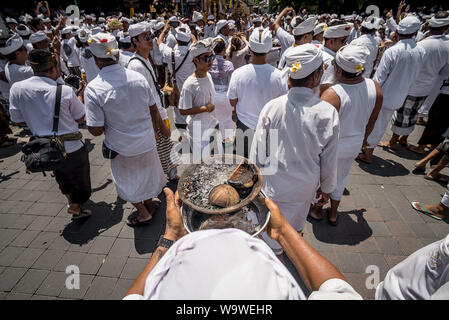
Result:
x=202 y=46
x=438 y=23
x=135 y=29
x=408 y=25
x=302 y=60
x=104 y=45
x=197 y=16
x=183 y=33
x=352 y=58
x=13 y=44
x=38 y=37
x=338 y=31
x=221 y=264
x=261 y=40
x=220 y=25
x=321 y=27
x=304 y=27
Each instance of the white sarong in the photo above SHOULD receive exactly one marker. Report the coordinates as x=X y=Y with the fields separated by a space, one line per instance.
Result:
x=138 y=178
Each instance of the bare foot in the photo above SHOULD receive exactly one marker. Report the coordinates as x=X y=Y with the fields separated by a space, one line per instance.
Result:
x=386 y=144
x=437 y=177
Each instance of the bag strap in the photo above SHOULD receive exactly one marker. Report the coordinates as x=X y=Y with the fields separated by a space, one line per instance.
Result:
x=182 y=62
x=173 y=64
x=57 y=108
x=151 y=73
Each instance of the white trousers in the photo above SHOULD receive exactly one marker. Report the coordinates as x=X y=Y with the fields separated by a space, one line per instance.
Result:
x=348 y=150
x=379 y=128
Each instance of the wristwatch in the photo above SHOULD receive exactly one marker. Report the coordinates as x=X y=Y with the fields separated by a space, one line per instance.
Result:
x=164 y=242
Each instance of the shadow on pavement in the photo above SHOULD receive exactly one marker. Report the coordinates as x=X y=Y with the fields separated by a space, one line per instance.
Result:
x=384 y=168
x=10 y=151
x=7 y=177
x=104 y=216
x=347 y=232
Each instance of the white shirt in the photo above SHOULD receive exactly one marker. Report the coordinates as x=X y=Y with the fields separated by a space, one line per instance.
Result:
x=397 y=71
x=253 y=86
x=88 y=63
x=33 y=101
x=15 y=73
x=285 y=39
x=282 y=61
x=239 y=57
x=124 y=57
x=354 y=34
x=156 y=54
x=329 y=71
x=435 y=59
x=171 y=39
x=4 y=86
x=419 y=276
x=69 y=46
x=182 y=74
x=137 y=66
x=306 y=155
x=209 y=31
x=369 y=42
x=197 y=92
x=119 y=99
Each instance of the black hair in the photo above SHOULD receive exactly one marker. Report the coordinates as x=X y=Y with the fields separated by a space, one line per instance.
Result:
x=132 y=42
x=124 y=45
x=258 y=54
x=219 y=47
x=299 y=38
x=346 y=74
x=182 y=43
x=366 y=30
x=35 y=22
x=41 y=60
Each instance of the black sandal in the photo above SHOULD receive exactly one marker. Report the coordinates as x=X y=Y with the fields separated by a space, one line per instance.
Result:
x=332 y=223
x=84 y=213
x=134 y=222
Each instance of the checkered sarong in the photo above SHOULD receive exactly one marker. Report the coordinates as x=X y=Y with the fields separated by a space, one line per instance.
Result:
x=406 y=116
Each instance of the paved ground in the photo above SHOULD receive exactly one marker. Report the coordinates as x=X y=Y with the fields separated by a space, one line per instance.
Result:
x=38 y=240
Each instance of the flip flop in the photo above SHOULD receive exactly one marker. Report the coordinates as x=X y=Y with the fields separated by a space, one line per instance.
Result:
x=82 y=215
x=440 y=179
x=420 y=169
x=423 y=210
x=134 y=222
x=362 y=160
x=333 y=223
x=408 y=148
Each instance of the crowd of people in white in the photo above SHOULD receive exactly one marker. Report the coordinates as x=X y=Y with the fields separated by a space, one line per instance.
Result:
x=324 y=86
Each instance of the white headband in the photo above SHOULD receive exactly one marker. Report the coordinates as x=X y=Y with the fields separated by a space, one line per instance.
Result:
x=338 y=31
x=104 y=45
x=302 y=60
x=13 y=44
x=352 y=58
x=261 y=40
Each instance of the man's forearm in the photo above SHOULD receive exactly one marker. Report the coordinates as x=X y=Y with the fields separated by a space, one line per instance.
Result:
x=313 y=268
x=155 y=117
x=192 y=111
x=139 y=284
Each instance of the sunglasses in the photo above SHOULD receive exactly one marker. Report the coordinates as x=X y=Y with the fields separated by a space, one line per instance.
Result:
x=208 y=59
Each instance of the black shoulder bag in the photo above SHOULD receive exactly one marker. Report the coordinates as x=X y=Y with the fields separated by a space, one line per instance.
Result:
x=42 y=154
